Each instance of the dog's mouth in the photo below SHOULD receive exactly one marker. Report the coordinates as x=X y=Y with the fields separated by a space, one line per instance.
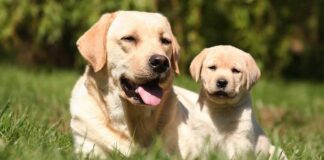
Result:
x=220 y=94
x=148 y=93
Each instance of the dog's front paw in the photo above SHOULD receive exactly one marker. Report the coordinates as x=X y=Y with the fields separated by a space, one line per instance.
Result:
x=277 y=153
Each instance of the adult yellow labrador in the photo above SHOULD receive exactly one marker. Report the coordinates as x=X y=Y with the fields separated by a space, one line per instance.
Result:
x=125 y=97
x=227 y=75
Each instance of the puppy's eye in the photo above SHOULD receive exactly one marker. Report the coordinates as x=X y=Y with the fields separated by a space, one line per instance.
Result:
x=213 y=68
x=165 y=41
x=234 y=70
x=128 y=39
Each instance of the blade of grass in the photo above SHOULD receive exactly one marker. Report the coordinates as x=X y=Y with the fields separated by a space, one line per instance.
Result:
x=5 y=108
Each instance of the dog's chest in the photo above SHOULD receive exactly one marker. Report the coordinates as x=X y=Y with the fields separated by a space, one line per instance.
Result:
x=116 y=113
x=234 y=132
x=236 y=145
x=237 y=139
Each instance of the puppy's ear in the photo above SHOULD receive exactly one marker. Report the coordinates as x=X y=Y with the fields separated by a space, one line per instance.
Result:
x=196 y=65
x=175 y=55
x=252 y=71
x=92 y=44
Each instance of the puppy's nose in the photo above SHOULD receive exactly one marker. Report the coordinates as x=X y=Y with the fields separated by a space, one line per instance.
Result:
x=159 y=63
x=221 y=83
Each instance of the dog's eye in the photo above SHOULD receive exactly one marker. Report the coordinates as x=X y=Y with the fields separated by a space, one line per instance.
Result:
x=165 y=41
x=213 y=68
x=129 y=38
x=234 y=70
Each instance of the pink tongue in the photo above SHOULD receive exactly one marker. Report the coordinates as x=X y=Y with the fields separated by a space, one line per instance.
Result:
x=150 y=95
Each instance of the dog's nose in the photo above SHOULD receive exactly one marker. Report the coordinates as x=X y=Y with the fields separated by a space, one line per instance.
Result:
x=159 y=63
x=221 y=83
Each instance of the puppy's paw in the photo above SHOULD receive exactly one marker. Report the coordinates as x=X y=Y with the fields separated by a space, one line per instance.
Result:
x=277 y=153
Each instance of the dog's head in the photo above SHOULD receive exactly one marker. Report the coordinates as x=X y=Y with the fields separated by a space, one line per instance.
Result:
x=226 y=73
x=139 y=51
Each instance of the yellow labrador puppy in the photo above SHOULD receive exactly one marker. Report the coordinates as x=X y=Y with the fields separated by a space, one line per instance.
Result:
x=125 y=97
x=227 y=75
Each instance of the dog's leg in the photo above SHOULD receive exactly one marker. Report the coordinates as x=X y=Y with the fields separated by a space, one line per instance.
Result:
x=265 y=148
x=98 y=139
x=87 y=148
x=277 y=152
x=89 y=122
x=262 y=146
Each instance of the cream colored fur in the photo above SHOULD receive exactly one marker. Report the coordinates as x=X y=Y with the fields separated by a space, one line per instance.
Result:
x=236 y=131
x=105 y=118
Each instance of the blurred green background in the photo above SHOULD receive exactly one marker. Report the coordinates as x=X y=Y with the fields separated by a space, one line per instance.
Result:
x=285 y=37
x=39 y=65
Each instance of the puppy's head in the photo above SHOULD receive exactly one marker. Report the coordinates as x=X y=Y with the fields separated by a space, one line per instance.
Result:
x=226 y=73
x=139 y=51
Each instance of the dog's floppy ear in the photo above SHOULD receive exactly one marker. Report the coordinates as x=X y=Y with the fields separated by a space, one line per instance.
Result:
x=92 y=44
x=196 y=65
x=175 y=55
x=252 y=71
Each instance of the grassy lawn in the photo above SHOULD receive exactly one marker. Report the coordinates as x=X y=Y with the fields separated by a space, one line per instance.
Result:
x=34 y=115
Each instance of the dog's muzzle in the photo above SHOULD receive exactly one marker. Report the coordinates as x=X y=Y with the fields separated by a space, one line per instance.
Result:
x=147 y=93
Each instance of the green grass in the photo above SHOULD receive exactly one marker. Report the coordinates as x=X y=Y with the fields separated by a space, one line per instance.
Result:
x=34 y=115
